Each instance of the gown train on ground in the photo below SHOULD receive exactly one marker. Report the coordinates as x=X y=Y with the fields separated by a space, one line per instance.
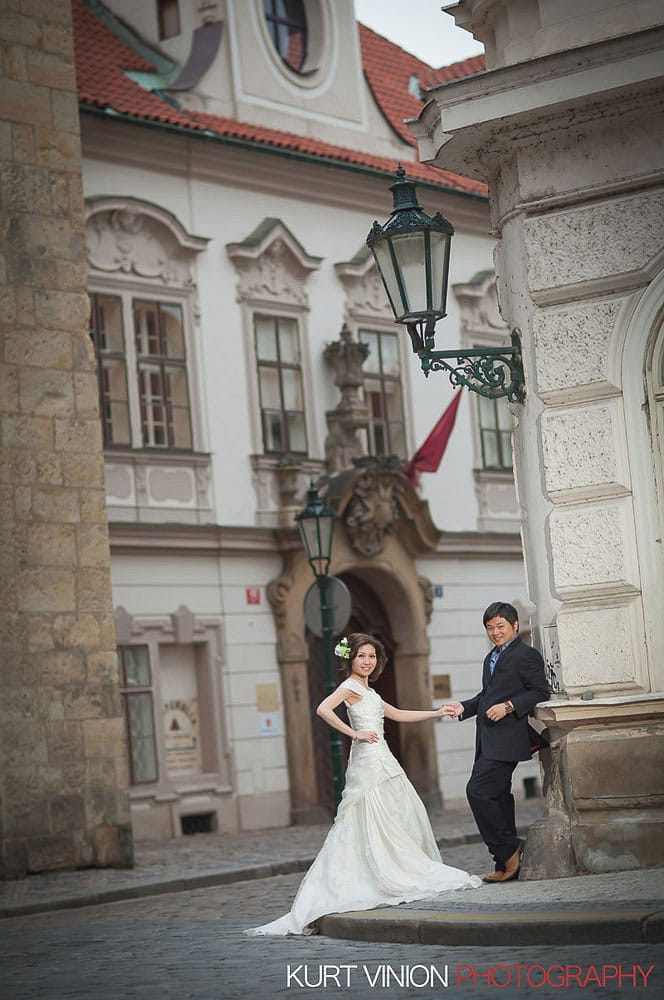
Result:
x=381 y=849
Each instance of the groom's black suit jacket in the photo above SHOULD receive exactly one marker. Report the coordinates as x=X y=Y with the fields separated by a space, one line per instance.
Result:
x=517 y=677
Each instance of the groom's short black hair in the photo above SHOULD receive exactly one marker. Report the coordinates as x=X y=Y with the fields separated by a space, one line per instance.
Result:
x=500 y=609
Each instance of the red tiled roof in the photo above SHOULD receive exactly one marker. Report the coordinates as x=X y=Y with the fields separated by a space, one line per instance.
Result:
x=102 y=60
x=327 y=151
x=467 y=67
x=389 y=70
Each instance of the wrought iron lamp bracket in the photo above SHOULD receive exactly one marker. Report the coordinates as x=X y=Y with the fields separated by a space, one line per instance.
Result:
x=489 y=371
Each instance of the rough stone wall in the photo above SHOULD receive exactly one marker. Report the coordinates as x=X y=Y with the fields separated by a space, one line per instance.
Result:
x=63 y=773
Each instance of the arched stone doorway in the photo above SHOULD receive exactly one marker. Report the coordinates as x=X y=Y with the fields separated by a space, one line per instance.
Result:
x=381 y=527
x=367 y=615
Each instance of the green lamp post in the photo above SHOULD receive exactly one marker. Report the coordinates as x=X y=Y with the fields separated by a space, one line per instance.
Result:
x=315 y=524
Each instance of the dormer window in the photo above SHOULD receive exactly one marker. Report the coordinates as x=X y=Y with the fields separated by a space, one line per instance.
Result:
x=414 y=87
x=287 y=26
x=168 y=15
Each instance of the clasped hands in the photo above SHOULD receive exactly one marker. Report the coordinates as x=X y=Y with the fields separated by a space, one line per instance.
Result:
x=453 y=709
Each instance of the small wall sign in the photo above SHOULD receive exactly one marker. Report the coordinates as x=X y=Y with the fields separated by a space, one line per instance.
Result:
x=267 y=703
x=269 y=724
x=441 y=686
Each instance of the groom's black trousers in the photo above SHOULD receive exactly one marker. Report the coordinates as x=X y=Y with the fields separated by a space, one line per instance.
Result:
x=489 y=793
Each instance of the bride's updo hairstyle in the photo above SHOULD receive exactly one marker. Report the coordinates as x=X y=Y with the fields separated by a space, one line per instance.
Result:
x=357 y=639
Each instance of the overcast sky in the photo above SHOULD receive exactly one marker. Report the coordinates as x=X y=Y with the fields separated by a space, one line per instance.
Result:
x=420 y=27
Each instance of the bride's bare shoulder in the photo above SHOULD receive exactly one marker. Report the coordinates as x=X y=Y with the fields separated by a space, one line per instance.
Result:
x=351 y=696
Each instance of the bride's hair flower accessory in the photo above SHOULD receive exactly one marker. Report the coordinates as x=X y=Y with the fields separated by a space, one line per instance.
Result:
x=342 y=649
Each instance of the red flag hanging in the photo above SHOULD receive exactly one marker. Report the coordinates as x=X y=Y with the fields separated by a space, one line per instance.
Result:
x=429 y=456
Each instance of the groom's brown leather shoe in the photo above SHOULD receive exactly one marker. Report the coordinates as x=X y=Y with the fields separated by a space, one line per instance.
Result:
x=512 y=866
x=496 y=876
x=511 y=871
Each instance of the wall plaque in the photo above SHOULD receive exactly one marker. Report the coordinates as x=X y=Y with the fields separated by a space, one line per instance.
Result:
x=181 y=736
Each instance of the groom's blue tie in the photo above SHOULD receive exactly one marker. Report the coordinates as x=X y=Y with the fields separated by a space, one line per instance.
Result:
x=494 y=658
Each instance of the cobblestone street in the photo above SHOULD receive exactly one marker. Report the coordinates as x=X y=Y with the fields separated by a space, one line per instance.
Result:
x=190 y=944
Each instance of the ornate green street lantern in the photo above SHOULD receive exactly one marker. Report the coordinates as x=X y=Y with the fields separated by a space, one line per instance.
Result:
x=412 y=254
x=315 y=525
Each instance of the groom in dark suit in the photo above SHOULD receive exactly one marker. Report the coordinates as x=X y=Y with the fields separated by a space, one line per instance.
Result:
x=513 y=682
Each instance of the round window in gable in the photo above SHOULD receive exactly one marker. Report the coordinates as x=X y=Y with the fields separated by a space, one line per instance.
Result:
x=287 y=26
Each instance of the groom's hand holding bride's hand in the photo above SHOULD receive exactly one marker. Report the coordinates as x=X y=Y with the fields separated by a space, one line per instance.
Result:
x=452 y=710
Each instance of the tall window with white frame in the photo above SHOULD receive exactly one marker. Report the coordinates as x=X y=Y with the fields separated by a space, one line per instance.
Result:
x=162 y=375
x=106 y=330
x=137 y=699
x=145 y=375
x=495 y=427
x=280 y=385
x=383 y=394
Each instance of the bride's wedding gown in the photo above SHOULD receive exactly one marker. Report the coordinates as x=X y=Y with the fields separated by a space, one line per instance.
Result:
x=381 y=848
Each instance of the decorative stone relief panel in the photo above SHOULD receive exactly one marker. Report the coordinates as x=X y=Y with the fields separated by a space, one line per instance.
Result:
x=372 y=513
x=272 y=265
x=280 y=488
x=594 y=547
x=480 y=313
x=584 y=452
x=426 y=587
x=365 y=293
x=134 y=237
x=158 y=488
x=581 y=244
x=572 y=346
x=600 y=648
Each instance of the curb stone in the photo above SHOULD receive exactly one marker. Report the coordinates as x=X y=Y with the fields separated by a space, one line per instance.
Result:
x=570 y=926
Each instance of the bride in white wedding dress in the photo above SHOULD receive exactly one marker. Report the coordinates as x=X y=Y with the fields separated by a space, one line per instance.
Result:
x=381 y=848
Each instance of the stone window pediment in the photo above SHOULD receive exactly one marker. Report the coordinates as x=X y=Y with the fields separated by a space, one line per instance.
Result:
x=272 y=266
x=365 y=293
x=480 y=311
x=137 y=238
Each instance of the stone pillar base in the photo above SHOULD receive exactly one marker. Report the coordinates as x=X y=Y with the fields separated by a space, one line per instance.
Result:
x=604 y=785
x=619 y=841
x=548 y=852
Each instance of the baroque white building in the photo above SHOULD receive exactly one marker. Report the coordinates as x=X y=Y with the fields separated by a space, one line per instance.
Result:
x=234 y=158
